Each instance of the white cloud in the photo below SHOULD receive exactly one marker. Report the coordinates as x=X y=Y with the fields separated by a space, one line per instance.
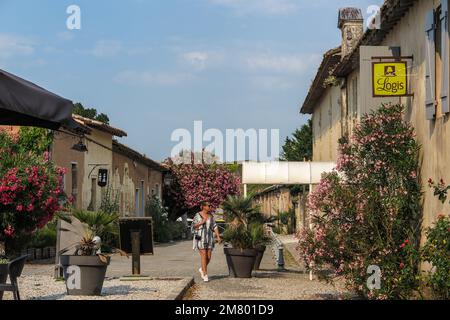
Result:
x=66 y=35
x=11 y=46
x=106 y=48
x=147 y=78
x=197 y=59
x=272 y=83
x=266 y=7
x=281 y=63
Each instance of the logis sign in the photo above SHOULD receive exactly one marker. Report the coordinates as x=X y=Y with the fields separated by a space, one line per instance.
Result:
x=390 y=79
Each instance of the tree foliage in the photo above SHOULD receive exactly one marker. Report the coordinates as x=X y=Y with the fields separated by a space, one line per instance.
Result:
x=299 y=147
x=368 y=213
x=193 y=184
x=90 y=113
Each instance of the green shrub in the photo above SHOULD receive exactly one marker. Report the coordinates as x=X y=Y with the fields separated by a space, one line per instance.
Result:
x=368 y=212
x=437 y=252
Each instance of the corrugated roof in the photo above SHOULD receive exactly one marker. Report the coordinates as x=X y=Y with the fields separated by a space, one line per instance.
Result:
x=329 y=62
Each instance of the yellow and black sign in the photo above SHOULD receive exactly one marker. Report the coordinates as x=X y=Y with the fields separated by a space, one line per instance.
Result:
x=390 y=79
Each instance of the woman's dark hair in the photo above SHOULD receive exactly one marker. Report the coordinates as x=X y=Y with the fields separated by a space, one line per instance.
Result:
x=204 y=203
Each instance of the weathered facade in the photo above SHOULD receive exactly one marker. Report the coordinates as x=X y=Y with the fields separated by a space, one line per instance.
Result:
x=419 y=32
x=277 y=199
x=81 y=179
x=135 y=178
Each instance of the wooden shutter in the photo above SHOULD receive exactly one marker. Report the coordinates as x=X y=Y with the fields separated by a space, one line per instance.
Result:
x=445 y=56
x=430 y=62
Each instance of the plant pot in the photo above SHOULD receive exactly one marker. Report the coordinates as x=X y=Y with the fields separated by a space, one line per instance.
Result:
x=38 y=254
x=92 y=274
x=240 y=262
x=3 y=276
x=260 y=253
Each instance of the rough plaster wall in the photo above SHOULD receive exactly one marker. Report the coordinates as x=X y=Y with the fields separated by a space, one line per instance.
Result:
x=96 y=155
x=327 y=126
x=434 y=136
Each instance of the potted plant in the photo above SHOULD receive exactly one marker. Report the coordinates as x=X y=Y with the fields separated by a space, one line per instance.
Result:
x=88 y=259
x=245 y=233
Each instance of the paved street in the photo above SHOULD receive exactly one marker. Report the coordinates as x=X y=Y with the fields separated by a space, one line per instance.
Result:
x=177 y=260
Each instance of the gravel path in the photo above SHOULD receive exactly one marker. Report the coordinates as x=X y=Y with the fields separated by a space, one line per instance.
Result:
x=177 y=260
x=39 y=287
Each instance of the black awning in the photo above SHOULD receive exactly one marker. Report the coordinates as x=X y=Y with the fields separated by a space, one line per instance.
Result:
x=23 y=103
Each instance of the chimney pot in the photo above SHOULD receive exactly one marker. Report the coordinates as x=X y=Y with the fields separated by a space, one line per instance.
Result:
x=350 y=21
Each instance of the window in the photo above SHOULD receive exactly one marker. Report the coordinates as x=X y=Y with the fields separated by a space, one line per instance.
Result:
x=437 y=61
x=74 y=177
x=136 y=201
x=142 y=206
x=93 y=204
x=158 y=191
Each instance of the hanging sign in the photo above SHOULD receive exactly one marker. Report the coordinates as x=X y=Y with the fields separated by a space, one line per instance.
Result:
x=389 y=79
x=102 y=177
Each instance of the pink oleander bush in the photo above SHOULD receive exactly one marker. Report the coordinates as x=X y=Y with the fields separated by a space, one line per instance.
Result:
x=30 y=190
x=367 y=212
x=195 y=183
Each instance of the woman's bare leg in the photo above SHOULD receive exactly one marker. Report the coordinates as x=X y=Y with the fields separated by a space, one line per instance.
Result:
x=204 y=257
x=208 y=256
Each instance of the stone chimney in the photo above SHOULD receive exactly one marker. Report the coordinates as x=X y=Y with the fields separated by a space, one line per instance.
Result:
x=351 y=24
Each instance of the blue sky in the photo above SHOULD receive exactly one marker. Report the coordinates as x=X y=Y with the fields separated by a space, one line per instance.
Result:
x=157 y=65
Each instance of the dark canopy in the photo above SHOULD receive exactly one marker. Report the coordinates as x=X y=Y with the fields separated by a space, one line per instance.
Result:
x=23 y=103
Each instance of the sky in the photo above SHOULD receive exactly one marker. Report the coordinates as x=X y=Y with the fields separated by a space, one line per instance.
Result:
x=155 y=66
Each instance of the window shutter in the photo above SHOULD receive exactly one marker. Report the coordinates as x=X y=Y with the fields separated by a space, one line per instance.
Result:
x=445 y=56
x=430 y=62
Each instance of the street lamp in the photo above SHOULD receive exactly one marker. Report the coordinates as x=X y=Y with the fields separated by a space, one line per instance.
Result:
x=80 y=146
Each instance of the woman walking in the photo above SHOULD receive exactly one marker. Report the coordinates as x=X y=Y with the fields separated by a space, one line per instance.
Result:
x=204 y=229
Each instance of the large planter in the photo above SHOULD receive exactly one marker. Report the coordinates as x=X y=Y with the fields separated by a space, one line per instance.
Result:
x=3 y=276
x=92 y=274
x=240 y=262
x=260 y=253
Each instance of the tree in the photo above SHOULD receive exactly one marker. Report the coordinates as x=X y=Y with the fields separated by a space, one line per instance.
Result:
x=193 y=184
x=30 y=190
x=90 y=113
x=300 y=146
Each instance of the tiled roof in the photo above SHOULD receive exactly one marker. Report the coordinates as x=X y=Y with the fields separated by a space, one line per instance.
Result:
x=391 y=12
x=136 y=156
x=100 y=126
x=329 y=62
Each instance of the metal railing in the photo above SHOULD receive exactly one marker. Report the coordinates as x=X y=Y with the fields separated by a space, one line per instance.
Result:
x=277 y=248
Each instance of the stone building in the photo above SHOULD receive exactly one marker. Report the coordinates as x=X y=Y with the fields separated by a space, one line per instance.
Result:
x=83 y=168
x=135 y=177
x=279 y=198
x=413 y=31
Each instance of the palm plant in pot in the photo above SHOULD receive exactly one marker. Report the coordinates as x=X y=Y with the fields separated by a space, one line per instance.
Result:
x=245 y=233
x=85 y=270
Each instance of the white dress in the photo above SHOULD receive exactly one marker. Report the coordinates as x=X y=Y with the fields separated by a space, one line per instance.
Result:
x=205 y=232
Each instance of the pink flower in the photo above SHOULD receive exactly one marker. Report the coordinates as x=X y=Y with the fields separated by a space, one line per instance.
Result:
x=9 y=231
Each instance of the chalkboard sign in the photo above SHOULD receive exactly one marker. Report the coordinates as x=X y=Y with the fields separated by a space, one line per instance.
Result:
x=102 y=177
x=141 y=224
